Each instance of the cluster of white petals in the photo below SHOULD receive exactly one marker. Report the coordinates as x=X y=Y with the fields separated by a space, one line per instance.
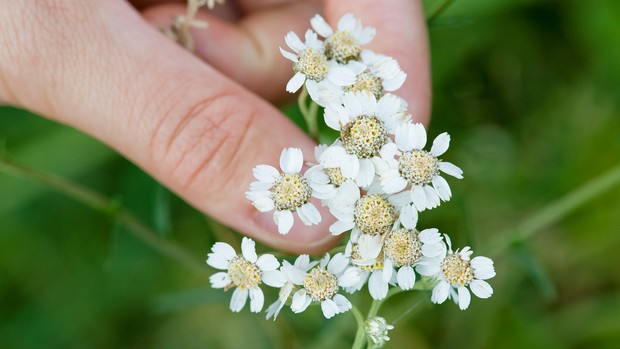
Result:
x=375 y=179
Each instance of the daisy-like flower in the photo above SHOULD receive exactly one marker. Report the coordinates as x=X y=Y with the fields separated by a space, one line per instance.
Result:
x=324 y=181
x=293 y=274
x=364 y=124
x=344 y=44
x=285 y=192
x=376 y=73
x=311 y=65
x=322 y=283
x=405 y=249
x=245 y=272
x=371 y=214
x=367 y=254
x=456 y=271
x=416 y=167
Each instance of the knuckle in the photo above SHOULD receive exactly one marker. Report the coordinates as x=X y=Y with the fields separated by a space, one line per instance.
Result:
x=198 y=145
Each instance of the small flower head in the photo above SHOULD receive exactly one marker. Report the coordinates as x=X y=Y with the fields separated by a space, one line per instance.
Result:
x=403 y=247
x=457 y=271
x=245 y=273
x=374 y=215
x=293 y=275
x=377 y=330
x=344 y=44
x=322 y=283
x=285 y=192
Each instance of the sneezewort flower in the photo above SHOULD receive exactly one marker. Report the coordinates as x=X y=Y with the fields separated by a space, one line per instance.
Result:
x=377 y=330
x=292 y=274
x=245 y=272
x=322 y=283
x=364 y=124
x=405 y=163
x=311 y=65
x=456 y=271
x=344 y=44
x=285 y=192
x=367 y=254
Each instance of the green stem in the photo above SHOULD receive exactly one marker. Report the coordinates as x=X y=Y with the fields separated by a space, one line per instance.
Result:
x=557 y=210
x=360 y=335
x=374 y=307
x=109 y=207
x=441 y=9
x=309 y=113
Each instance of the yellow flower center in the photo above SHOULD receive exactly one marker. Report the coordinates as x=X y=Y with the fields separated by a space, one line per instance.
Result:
x=335 y=176
x=456 y=271
x=403 y=247
x=364 y=136
x=418 y=167
x=367 y=81
x=342 y=47
x=243 y=274
x=374 y=215
x=321 y=284
x=290 y=191
x=312 y=63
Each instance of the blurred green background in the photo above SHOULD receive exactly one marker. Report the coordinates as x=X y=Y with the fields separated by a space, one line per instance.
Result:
x=529 y=91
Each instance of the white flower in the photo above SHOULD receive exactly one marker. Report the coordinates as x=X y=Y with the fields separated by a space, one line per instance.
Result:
x=364 y=124
x=311 y=65
x=285 y=192
x=367 y=254
x=325 y=182
x=416 y=167
x=456 y=271
x=377 y=330
x=293 y=274
x=371 y=214
x=322 y=283
x=344 y=44
x=245 y=272
x=406 y=249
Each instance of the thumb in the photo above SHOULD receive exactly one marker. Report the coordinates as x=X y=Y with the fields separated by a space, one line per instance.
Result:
x=102 y=69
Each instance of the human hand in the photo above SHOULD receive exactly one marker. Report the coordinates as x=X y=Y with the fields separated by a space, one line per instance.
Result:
x=100 y=67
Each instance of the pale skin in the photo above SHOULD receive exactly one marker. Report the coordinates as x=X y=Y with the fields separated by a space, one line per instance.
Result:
x=197 y=123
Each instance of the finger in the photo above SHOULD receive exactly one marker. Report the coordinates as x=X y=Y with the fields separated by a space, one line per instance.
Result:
x=246 y=50
x=401 y=33
x=101 y=68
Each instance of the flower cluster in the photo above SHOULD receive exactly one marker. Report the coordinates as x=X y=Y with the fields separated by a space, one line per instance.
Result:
x=375 y=179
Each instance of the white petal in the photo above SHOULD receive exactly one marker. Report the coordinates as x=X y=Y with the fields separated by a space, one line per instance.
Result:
x=367 y=35
x=464 y=297
x=394 y=83
x=257 y=299
x=388 y=270
x=248 y=249
x=288 y=55
x=274 y=309
x=366 y=173
x=400 y=200
x=340 y=227
x=295 y=82
x=409 y=217
x=294 y=42
x=260 y=186
x=264 y=204
x=483 y=268
x=429 y=267
x=338 y=263
x=219 y=280
x=481 y=289
x=440 y=144
x=291 y=160
x=432 y=198
x=347 y=22
x=267 y=262
x=350 y=166
x=319 y=25
x=217 y=261
x=224 y=250
x=451 y=169
x=295 y=275
x=311 y=213
x=440 y=292
x=331 y=116
x=342 y=302
x=300 y=301
x=392 y=182
x=238 y=299
x=378 y=289
x=333 y=156
x=406 y=277
x=255 y=195
x=266 y=173
x=418 y=197
x=340 y=76
x=352 y=104
x=419 y=136
x=387 y=106
x=403 y=136
x=442 y=187
x=284 y=221
x=273 y=278
x=350 y=277
x=329 y=308
x=388 y=151
x=369 y=103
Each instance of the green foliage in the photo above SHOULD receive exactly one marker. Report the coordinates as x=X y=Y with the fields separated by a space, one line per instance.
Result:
x=529 y=92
